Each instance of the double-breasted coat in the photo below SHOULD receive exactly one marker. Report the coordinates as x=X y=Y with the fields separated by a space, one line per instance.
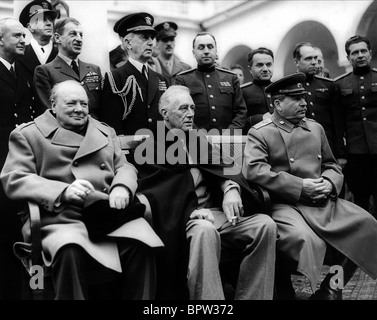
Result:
x=56 y=71
x=278 y=156
x=45 y=158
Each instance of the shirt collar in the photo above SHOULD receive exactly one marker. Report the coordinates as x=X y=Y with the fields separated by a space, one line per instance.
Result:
x=137 y=64
x=7 y=64
x=68 y=60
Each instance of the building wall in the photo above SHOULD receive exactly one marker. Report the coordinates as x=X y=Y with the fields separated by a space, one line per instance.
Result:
x=277 y=25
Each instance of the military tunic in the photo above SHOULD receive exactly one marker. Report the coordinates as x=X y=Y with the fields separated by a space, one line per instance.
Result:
x=217 y=96
x=320 y=95
x=357 y=122
x=258 y=102
x=278 y=156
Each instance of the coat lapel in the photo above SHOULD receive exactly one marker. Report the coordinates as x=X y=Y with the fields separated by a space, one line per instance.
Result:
x=84 y=69
x=63 y=67
x=7 y=77
x=153 y=85
x=94 y=140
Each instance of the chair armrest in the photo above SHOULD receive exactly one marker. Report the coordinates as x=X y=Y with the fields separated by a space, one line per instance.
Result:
x=263 y=196
x=35 y=228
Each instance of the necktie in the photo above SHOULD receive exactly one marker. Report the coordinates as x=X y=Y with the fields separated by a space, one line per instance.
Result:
x=75 y=67
x=169 y=66
x=11 y=70
x=145 y=72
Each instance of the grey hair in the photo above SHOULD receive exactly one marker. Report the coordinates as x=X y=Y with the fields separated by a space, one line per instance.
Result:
x=3 y=25
x=55 y=91
x=169 y=97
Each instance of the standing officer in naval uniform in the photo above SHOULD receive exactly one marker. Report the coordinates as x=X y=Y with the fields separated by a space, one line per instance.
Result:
x=320 y=90
x=67 y=66
x=39 y=17
x=258 y=102
x=216 y=92
x=131 y=92
x=17 y=106
x=356 y=93
x=171 y=65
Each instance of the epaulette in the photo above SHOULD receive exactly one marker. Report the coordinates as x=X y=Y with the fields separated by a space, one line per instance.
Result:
x=342 y=76
x=374 y=69
x=186 y=71
x=310 y=119
x=246 y=84
x=262 y=123
x=225 y=70
x=24 y=125
x=324 y=78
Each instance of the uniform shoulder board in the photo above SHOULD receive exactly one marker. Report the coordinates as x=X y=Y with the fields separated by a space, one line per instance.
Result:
x=324 y=78
x=246 y=84
x=262 y=124
x=343 y=75
x=186 y=71
x=225 y=70
x=24 y=125
x=374 y=69
x=310 y=119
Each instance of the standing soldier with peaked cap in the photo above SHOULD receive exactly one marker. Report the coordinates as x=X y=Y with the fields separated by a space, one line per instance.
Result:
x=216 y=92
x=171 y=65
x=356 y=93
x=131 y=92
x=39 y=17
x=68 y=66
x=258 y=102
x=290 y=156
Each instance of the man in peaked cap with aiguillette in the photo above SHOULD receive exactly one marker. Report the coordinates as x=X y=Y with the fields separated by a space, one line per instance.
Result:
x=131 y=92
x=171 y=65
x=39 y=17
x=289 y=155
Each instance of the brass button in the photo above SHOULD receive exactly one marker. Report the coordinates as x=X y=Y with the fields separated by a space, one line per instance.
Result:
x=209 y=86
x=313 y=114
x=75 y=164
x=309 y=93
x=150 y=120
x=104 y=190
x=319 y=156
x=214 y=120
x=213 y=107
x=362 y=87
x=208 y=76
x=211 y=96
x=292 y=160
x=281 y=122
x=361 y=78
x=102 y=166
x=16 y=115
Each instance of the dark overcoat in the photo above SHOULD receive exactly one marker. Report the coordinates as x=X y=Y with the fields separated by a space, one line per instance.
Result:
x=278 y=156
x=170 y=189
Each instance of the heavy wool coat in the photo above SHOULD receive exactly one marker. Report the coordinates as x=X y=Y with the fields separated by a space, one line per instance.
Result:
x=278 y=156
x=45 y=158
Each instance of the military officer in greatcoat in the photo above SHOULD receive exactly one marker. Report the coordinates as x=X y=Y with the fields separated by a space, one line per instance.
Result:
x=356 y=93
x=171 y=65
x=130 y=95
x=258 y=102
x=320 y=90
x=290 y=156
x=216 y=92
